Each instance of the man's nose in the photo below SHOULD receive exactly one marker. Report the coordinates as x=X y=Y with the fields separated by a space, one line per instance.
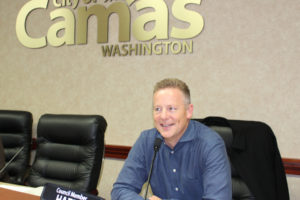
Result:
x=164 y=114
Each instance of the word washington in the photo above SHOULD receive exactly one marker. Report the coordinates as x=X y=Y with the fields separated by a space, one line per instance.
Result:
x=142 y=49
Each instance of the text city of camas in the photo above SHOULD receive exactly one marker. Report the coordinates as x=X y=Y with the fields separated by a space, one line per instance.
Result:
x=75 y=26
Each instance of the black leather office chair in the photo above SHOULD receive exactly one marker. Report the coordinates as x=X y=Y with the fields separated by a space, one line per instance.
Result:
x=16 y=132
x=3 y=174
x=69 y=151
x=256 y=165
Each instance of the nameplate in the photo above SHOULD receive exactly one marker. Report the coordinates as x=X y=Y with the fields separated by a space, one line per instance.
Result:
x=56 y=192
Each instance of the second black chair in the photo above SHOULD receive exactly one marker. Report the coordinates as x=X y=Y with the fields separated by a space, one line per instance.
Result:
x=256 y=165
x=69 y=151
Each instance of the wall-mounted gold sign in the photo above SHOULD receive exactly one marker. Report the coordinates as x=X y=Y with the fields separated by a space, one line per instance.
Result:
x=75 y=26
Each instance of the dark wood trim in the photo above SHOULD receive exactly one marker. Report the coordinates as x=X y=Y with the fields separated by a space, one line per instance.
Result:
x=292 y=166
x=116 y=151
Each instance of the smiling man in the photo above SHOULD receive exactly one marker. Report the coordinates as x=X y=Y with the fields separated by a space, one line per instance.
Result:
x=191 y=163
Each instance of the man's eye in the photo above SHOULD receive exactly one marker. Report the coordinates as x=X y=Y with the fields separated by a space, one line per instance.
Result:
x=172 y=109
x=157 y=109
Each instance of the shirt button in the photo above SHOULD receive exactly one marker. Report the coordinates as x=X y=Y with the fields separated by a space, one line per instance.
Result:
x=176 y=189
x=172 y=152
x=174 y=170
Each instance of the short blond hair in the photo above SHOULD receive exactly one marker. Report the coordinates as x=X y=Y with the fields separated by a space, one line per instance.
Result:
x=174 y=83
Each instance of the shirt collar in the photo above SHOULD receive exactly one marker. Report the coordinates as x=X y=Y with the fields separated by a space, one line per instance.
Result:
x=189 y=133
x=187 y=136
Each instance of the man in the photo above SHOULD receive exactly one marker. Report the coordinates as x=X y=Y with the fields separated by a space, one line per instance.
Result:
x=191 y=163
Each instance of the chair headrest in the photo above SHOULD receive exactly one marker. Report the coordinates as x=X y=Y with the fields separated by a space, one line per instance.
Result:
x=225 y=133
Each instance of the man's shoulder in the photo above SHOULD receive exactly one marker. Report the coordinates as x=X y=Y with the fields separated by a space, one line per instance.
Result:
x=148 y=135
x=145 y=141
x=200 y=127
x=204 y=132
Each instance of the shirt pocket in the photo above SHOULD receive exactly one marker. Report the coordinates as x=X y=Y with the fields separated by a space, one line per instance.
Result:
x=193 y=187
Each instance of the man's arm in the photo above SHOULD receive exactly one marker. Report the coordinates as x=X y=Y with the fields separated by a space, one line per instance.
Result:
x=217 y=174
x=133 y=174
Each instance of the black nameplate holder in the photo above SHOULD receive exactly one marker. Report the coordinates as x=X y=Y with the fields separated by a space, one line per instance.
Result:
x=56 y=192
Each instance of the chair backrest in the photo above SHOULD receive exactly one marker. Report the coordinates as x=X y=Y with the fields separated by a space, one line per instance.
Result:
x=240 y=189
x=69 y=151
x=16 y=132
x=250 y=142
x=2 y=157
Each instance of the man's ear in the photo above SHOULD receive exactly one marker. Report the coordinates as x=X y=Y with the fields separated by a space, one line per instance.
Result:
x=189 y=111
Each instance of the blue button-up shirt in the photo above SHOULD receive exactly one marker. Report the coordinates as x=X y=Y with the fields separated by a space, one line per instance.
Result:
x=197 y=168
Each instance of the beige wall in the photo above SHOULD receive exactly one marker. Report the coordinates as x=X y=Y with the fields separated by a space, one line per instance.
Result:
x=244 y=65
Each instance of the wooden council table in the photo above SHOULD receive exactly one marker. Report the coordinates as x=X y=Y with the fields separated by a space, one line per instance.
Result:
x=6 y=194
x=17 y=192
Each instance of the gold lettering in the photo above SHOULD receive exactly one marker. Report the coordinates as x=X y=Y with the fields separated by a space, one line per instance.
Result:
x=64 y=3
x=193 y=18
x=167 y=46
x=102 y=15
x=133 y=49
x=157 y=48
x=21 y=31
x=58 y=5
x=68 y=26
x=147 y=48
x=106 y=50
x=188 y=47
x=124 y=49
x=142 y=49
x=147 y=26
x=129 y=2
x=160 y=17
x=116 y=50
x=75 y=4
x=68 y=3
x=89 y=1
x=175 y=50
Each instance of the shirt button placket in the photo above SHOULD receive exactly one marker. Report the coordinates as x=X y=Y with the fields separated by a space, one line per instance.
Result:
x=176 y=188
x=174 y=171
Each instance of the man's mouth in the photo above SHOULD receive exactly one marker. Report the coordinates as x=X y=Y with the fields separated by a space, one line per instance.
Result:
x=166 y=125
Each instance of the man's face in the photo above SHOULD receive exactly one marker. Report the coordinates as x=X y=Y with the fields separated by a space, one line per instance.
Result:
x=171 y=115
